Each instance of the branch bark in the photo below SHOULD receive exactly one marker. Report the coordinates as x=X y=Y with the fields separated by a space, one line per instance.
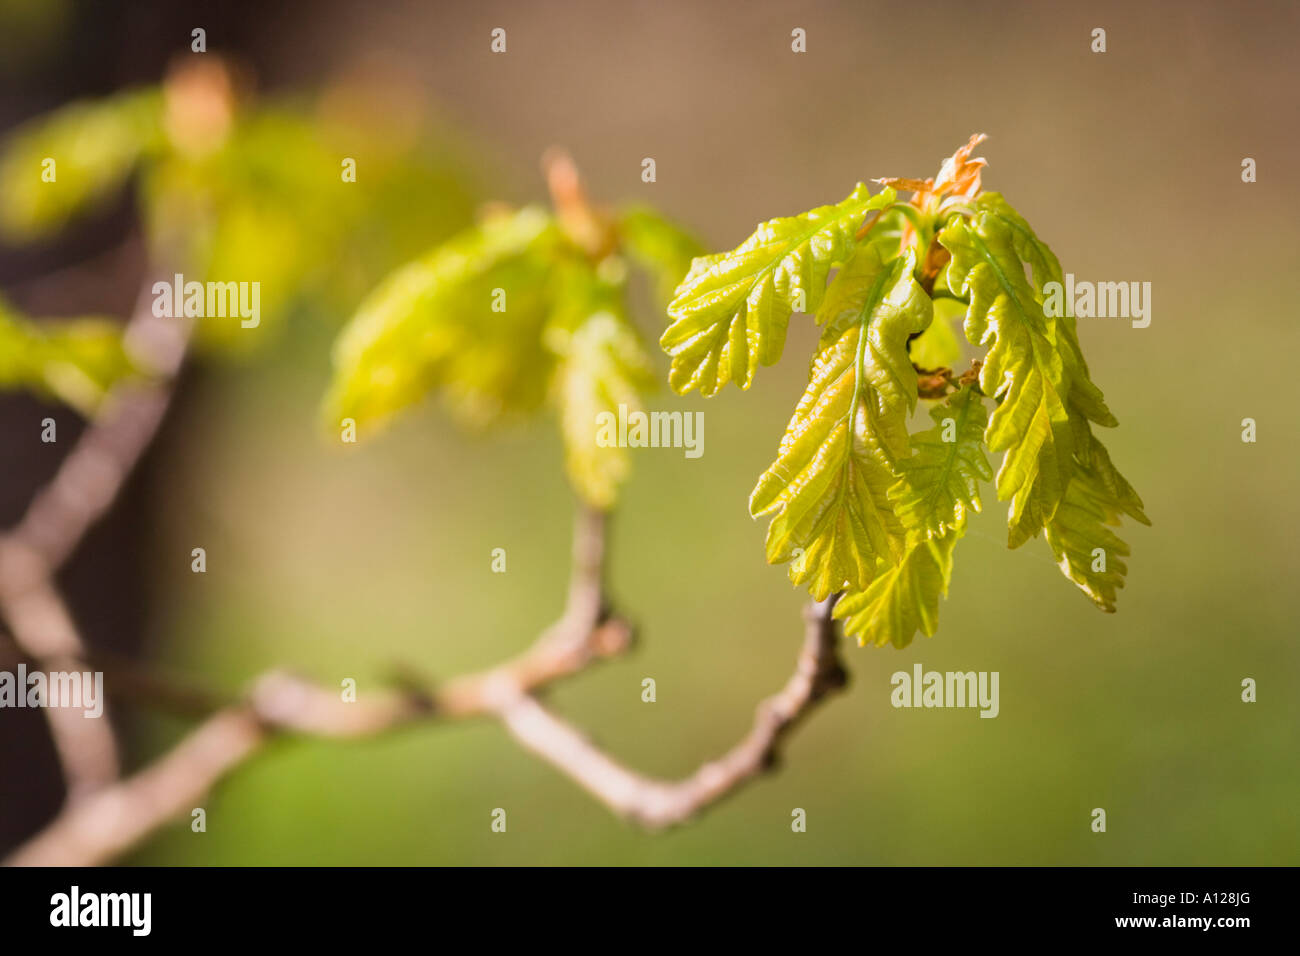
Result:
x=657 y=803
x=87 y=482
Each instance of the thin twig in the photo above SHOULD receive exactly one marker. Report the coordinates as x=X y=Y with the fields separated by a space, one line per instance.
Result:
x=657 y=803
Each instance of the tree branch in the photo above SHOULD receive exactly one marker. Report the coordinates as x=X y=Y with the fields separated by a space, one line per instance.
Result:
x=112 y=820
x=87 y=482
x=657 y=803
x=116 y=819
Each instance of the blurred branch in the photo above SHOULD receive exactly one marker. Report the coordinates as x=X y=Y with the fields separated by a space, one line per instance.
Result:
x=86 y=484
x=116 y=819
x=104 y=825
x=92 y=475
x=42 y=627
x=657 y=803
x=111 y=821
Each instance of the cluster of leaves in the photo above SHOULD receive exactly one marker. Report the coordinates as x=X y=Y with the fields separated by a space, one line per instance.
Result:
x=233 y=188
x=525 y=309
x=73 y=360
x=857 y=505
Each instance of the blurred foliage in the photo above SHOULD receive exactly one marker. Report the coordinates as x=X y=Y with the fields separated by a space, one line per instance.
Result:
x=93 y=146
x=237 y=189
x=73 y=360
x=524 y=308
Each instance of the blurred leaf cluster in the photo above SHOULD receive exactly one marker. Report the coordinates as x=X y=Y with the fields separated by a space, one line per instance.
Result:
x=526 y=309
x=73 y=360
x=313 y=200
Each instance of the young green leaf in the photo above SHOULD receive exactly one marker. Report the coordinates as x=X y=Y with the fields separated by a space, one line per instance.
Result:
x=849 y=503
x=904 y=598
x=1085 y=398
x=1087 y=552
x=829 y=484
x=1094 y=462
x=93 y=144
x=731 y=312
x=73 y=360
x=601 y=366
x=467 y=318
x=1023 y=369
x=939 y=485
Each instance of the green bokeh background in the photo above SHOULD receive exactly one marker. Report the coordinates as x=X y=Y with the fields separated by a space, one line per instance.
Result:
x=346 y=563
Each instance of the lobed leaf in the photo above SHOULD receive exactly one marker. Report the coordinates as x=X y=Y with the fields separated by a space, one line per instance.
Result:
x=601 y=365
x=1023 y=370
x=731 y=312
x=939 y=485
x=828 y=488
x=1084 y=397
x=1087 y=552
x=904 y=599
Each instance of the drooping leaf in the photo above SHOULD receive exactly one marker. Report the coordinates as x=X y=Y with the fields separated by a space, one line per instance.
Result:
x=1111 y=486
x=731 y=312
x=904 y=599
x=828 y=488
x=659 y=246
x=1023 y=370
x=1097 y=493
x=433 y=324
x=1086 y=550
x=939 y=485
x=1085 y=397
x=94 y=145
x=75 y=361
x=601 y=365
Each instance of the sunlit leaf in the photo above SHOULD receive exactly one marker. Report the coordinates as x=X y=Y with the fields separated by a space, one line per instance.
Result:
x=828 y=488
x=1023 y=370
x=1085 y=397
x=601 y=366
x=904 y=599
x=939 y=484
x=731 y=312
